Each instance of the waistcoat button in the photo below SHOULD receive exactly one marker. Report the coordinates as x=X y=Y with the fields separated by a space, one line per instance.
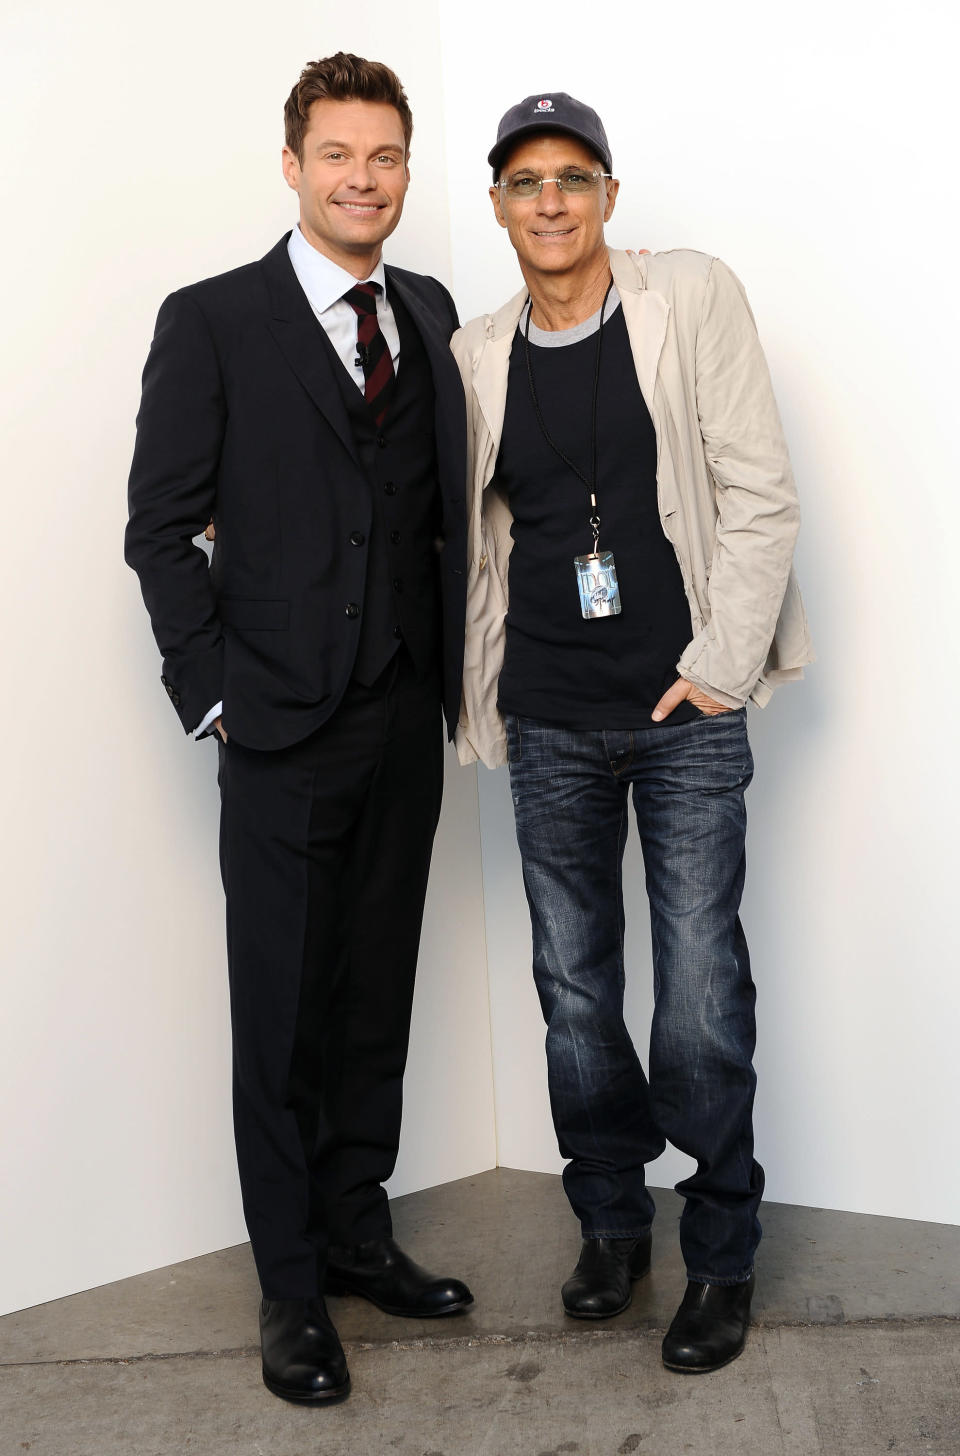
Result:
x=357 y=538
x=352 y=609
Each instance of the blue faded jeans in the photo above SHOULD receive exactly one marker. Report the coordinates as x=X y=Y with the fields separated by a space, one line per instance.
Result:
x=570 y=791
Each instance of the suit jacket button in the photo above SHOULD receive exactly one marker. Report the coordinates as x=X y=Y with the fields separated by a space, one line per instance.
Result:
x=397 y=632
x=381 y=442
x=352 y=609
x=395 y=538
x=389 y=488
x=357 y=538
x=397 y=584
x=175 y=699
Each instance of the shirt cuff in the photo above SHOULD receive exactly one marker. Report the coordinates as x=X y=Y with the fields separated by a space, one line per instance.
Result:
x=204 y=727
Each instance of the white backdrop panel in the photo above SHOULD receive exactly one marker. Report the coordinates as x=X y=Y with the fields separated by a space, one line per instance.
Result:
x=814 y=152
x=142 y=151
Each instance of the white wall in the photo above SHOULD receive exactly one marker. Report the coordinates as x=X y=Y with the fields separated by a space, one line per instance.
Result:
x=143 y=152
x=814 y=151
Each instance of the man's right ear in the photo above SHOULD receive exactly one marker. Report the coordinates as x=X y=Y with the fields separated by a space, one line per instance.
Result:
x=495 y=198
x=291 y=168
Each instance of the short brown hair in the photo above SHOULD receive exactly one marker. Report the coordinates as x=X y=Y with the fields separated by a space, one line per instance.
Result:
x=342 y=77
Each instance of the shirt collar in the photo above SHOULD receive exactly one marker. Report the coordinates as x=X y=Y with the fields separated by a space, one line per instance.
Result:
x=322 y=280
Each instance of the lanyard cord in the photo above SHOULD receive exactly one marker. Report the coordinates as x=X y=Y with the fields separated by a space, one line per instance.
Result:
x=590 y=484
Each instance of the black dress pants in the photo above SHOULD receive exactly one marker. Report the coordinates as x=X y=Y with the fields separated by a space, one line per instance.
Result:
x=325 y=850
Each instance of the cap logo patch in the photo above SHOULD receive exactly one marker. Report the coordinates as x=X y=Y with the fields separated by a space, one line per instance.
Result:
x=545 y=105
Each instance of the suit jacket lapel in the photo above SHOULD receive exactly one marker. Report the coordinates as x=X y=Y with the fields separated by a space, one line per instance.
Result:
x=434 y=340
x=451 y=419
x=295 y=327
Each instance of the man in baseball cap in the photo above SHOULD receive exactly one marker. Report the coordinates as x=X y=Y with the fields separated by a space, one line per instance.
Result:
x=630 y=589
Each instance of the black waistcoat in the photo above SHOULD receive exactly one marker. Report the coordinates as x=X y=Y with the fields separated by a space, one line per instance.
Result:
x=401 y=599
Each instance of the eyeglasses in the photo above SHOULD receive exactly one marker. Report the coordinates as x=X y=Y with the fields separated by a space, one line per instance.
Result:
x=571 y=179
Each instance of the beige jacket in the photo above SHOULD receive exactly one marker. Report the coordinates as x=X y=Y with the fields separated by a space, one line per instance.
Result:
x=727 y=500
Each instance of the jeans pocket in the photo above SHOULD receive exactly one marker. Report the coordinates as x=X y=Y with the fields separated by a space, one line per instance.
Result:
x=514 y=737
x=727 y=713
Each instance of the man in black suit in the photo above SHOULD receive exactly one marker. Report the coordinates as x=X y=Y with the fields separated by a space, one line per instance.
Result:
x=308 y=405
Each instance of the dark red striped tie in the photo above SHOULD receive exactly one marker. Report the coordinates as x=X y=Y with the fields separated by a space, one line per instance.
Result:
x=372 y=348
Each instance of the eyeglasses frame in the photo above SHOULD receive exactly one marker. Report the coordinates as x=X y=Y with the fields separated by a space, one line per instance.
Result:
x=503 y=182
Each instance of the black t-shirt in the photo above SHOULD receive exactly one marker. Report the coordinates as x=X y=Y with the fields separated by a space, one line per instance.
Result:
x=604 y=672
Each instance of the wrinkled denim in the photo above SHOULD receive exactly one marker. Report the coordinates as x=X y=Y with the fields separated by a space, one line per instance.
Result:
x=570 y=793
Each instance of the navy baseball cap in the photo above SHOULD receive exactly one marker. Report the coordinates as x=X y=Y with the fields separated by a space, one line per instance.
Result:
x=550 y=111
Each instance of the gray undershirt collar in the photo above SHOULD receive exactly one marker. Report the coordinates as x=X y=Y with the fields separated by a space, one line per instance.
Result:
x=557 y=338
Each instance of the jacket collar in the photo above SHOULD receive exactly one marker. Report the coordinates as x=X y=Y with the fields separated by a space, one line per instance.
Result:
x=294 y=326
x=645 y=313
x=450 y=415
x=435 y=341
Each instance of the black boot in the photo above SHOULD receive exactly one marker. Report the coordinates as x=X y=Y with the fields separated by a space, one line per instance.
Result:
x=383 y=1273
x=302 y=1356
x=710 y=1327
x=600 y=1284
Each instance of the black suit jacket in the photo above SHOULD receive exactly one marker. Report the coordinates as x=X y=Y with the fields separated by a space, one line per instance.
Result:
x=241 y=420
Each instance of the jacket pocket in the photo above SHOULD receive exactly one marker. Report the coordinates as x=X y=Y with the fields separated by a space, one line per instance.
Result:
x=254 y=614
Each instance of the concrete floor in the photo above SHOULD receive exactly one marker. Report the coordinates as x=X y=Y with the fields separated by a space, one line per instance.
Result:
x=855 y=1350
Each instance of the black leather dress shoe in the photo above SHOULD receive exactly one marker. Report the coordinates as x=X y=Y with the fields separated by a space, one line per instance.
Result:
x=710 y=1327
x=600 y=1284
x=382 y=1272
x=303 y=1359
